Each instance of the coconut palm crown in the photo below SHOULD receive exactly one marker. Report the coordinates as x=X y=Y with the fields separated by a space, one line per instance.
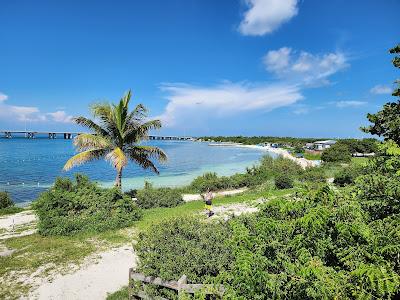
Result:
x=116 y=136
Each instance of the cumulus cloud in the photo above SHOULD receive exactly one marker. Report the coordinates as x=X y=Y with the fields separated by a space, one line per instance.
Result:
x=381 y=89
x=303 y=66
x=188 y=103
x=3 y=97
x=343 y=104
x=29 y=113
x=265 y=16
x=60 y=116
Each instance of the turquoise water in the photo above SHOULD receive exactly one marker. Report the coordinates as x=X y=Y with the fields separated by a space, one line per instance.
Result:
x=28 y=167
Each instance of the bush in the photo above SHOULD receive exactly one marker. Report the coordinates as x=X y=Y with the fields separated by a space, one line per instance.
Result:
x=314 y=174
x=347 y=175
x=337 y=153
x=211 y=181
x=5 y=200
x=150 y=197
x=81 y=206
x=181 y=246
x=283 y=181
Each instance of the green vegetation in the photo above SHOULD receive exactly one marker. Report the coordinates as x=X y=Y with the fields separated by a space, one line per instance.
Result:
x=337 y=153
x=150 y=197
x=122 y=294
x=5 y=200
x=254 y=140
x=7 y=206
x=116 y=138
x=283 y=181
x=312 y=155
x=81 y=206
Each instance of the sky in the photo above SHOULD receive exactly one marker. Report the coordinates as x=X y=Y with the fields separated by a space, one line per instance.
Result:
x=303 y=68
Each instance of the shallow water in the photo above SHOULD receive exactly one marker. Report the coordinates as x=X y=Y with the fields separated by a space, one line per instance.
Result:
x=28 y=167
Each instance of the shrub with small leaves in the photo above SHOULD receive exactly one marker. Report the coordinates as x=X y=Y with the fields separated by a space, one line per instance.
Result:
x=283 y=181
x=5 y=200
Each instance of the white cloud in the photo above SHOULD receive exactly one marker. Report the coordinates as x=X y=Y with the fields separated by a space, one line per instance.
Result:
x=343 y=104
x=265 y=16
x=29 y=113
x=60 y=116
x=381 y=89
x=3 y=97
x=189 y=103
x=303 y=66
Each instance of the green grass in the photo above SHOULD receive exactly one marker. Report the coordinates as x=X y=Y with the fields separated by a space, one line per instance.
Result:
x=154 y=215
x=10 y=210
x=361 y=161
x=122 y=294
x=312 y=156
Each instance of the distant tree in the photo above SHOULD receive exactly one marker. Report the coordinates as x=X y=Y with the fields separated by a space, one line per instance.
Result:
x=336 y=153
x=386 y=122
x=116 y=137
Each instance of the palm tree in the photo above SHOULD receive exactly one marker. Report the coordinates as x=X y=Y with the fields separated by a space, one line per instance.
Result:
x=116 y=137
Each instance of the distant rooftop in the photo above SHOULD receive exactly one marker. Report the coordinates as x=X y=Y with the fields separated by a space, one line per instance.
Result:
x=327 y=142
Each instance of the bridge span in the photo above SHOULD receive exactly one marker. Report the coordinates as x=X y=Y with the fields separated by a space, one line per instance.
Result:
x=67 y=135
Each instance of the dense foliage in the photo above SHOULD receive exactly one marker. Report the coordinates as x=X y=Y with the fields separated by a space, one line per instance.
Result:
x=150 y=197
x=265 y=171
x=76 y=206
x=360 y=146
x=337 y=153
x=283 y=181
x=5 y=200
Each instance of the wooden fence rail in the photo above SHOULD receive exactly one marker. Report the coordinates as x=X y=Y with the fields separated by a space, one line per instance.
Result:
x=179 y=286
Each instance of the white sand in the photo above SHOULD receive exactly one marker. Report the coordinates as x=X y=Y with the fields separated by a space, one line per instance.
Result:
x=196 y=197
x=304 y=163
x=93 y=281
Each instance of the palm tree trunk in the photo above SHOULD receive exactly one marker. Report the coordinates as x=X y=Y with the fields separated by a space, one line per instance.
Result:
x=118 y=178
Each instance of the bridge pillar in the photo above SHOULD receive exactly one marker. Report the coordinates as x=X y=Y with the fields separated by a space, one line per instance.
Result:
x=67 y=136
x=31 y=135
x=7 y=135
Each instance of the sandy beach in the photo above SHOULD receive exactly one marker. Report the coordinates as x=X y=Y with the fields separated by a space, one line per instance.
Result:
x=304 y=163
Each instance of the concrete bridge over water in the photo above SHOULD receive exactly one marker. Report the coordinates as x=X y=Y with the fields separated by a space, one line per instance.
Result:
x=67 y=135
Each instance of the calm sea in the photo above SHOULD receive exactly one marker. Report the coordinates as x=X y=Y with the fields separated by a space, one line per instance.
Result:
x=28 y=167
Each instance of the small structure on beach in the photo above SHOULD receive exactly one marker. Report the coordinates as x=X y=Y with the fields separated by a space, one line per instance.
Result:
x=322 y=145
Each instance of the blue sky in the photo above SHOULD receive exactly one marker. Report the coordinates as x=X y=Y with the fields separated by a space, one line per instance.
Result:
x=205 y=67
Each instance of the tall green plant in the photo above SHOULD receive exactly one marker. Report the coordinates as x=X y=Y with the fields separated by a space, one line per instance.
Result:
x=116 y=137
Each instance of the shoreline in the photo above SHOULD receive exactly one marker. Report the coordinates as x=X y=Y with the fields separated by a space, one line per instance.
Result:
x=304 y=163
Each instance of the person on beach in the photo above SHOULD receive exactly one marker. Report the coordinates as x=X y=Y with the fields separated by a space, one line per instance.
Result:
x=208 y=196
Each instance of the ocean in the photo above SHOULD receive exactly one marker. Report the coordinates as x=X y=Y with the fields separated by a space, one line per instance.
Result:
x=30 y=166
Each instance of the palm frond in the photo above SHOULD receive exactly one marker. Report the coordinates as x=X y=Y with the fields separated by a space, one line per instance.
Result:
x=142 y=155
x=83 y=157
x=87 y=141
x=136 y=133
x=117 y=158
x=85 y=122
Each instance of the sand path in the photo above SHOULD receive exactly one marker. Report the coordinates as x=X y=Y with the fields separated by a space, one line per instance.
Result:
x=106 y=274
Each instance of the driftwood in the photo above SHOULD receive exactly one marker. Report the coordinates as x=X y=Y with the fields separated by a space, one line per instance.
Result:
x=180 y=286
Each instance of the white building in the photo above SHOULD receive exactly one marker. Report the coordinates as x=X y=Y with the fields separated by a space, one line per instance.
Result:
x=322 y=145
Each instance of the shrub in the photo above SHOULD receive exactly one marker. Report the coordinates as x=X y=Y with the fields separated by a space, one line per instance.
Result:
x=212 y=182
x=337 y=153
x=158 y=197
x=283 y=181
x=5 y=200
x=313 y=174
x=181 y=246
x=81 y=206
x=347 y=175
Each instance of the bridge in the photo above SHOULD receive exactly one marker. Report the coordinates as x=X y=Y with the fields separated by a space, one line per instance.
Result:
x=67 y=135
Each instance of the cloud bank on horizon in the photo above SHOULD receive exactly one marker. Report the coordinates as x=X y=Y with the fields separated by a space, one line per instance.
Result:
x=30 y=113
